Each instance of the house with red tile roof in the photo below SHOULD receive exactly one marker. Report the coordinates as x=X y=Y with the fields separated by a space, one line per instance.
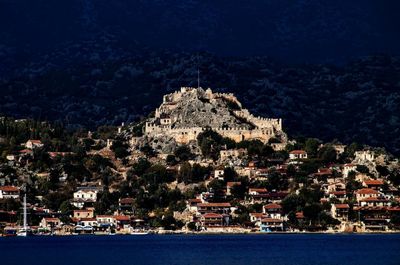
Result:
x=126 y=204
x=347 y=168
x=50 y=222
x=374 y=201
x=297 y=154
x=230 y=185
x=375 y=184
x=192 y=204
x=212 y=219
x=214 y=207
x=122 y=221
x=84 y=213
x=271 y=224
x=365 y=193
x=273 y=210
x=105 y=221
x=340 y=211
x=9 y=192
x=256 y=218
x=341 y=195
x=257 y=191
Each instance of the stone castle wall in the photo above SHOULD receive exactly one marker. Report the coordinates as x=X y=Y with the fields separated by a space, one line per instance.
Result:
x=185 y=135
x=265 y=128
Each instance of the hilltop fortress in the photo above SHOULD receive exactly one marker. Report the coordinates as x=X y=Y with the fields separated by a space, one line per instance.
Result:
x=184 y=114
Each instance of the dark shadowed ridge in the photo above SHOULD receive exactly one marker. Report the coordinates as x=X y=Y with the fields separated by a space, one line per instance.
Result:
x=294 y=31
x=90 y=63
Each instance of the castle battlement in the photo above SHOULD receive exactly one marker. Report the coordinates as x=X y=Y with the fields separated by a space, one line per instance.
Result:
x=168 y=118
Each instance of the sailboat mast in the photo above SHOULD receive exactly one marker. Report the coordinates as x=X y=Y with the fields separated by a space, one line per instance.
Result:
x=25 y=218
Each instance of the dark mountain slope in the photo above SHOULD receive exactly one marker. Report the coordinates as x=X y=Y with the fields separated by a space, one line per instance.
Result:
x=94 y=84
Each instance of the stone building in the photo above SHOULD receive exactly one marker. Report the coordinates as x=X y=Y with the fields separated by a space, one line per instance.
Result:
x=184 y=114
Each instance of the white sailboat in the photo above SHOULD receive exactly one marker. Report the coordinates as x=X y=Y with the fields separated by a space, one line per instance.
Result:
x=25 y=230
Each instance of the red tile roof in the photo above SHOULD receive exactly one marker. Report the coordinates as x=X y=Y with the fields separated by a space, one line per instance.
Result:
x=366 y=191
x=50 y=219
x=9 y=188
x=271 y=220
x=231 y=183
x=340 y=192
x=214 y=204
x=259 y=190
x=26 y=151
x=373 y=182
x=374 y=199
x=122 y=218
x=299 y=215
x=212 y=215
x=126 y=201
x=258 y=215
x=272 y=206
x=342 y=206
x=298 y=152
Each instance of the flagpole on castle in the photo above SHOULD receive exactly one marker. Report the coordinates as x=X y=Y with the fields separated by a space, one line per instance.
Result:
x=198 y=77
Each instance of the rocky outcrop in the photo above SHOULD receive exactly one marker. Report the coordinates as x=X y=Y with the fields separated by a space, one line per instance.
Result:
x=184 y=114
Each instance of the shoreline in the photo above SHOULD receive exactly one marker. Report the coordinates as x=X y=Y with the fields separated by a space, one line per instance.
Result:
x=217 y=233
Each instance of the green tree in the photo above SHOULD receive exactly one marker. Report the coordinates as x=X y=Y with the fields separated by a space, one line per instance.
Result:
x=312 y=212
x=311 y=147
x=66 y=208
x=183 y=153
x=140 y=167
x=185 y=173
x=210 y=143
x=292 y=203
x=229 y=174
x=362 y=169
x=327 y=154
x=120 y=149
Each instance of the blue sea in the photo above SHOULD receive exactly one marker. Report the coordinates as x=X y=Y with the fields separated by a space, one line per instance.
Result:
x=274 y=249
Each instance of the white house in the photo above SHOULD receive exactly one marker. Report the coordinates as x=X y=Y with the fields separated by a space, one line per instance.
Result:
x=219 y=173
x=348 y=168
x=106 y=220
x=88 y=222
x=365 y=155
x=48 y=222
x=366 y=193
x=297 y=154
x=9 y=192
x=84 y=195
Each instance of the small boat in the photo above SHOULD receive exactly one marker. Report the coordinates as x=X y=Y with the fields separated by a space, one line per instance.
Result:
x=138 y=232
